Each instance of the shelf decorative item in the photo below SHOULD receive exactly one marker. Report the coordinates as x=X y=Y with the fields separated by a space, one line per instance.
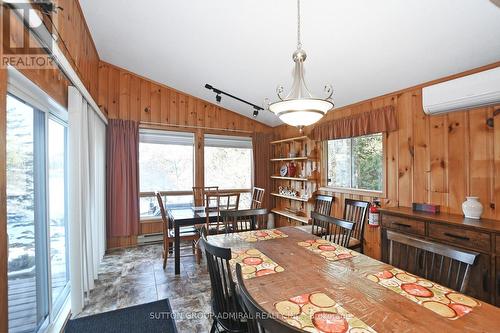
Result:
x=287 y=191
x=292 y=169
x=283 y=170
x=472 y=208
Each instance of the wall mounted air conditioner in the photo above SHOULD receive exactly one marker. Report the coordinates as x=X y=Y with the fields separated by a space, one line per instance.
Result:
x=467 y=92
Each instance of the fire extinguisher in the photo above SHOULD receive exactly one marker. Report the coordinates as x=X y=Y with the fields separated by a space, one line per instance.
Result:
x=374 y=214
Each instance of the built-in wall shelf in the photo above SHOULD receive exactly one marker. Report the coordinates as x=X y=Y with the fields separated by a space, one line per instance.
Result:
x=284 y=213
x=290 y=197
x=298 y=138
x=291 y=178
x=300 y=158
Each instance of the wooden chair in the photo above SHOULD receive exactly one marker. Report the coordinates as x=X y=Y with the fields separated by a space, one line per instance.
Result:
x=186 y=233
x=322 y=205
x=443 y=264
x=356 y=211
x=199 y=193
x=213 y=222
x=229 y=201
x=225 y=305
x=259 y=321
x=332 y=229
x=244 y=220
x=257 y=197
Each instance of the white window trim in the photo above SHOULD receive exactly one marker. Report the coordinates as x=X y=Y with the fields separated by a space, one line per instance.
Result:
x=352 y=190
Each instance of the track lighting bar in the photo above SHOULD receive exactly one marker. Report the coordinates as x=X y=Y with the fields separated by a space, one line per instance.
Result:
x=218 y=98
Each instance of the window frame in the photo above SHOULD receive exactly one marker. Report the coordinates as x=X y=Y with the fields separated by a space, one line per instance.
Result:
x=149 y=194
x=324 y=186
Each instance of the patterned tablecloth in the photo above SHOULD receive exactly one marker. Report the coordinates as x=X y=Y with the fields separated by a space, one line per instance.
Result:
x=328 y=250
x=261 y=235
x=254 y=263
x=317 y=312
x=441 y=300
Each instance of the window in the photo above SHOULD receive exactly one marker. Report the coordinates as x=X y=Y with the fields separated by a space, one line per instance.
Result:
x=356 y=163
x=38 y=272
x=166 y=163
x=228 y=164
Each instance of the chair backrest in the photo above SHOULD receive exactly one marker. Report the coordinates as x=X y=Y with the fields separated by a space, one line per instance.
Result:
x=166 y=222
x=443 y=264
x=229 y=201
x=213 y=221
x=225 y=305
x=356 y=211
x=245 y=219
x=199 y=193
x=258 y=320
x=332 y=229
x=257 y=197
x=323 y=204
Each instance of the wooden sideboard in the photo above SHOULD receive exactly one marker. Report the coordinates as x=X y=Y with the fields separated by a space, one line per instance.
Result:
x=482 y=236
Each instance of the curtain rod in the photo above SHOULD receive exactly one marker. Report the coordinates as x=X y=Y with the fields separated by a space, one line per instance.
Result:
x=194 y=127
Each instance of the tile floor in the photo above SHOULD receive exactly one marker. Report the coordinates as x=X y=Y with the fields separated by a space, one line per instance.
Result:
x=135 y=276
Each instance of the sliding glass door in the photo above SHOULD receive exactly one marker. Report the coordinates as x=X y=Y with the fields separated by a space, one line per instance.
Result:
x=58 y=213
x=36 y=215
x=28 y=301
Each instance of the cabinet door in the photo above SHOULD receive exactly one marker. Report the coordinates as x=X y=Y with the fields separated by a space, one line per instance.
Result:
x=497 y=279
x=480 y=284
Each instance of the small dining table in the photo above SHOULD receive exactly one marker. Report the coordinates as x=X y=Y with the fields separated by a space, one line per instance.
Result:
x=186 y=217
x=346 y=282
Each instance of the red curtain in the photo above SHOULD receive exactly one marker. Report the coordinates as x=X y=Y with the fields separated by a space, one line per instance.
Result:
x=122 y=173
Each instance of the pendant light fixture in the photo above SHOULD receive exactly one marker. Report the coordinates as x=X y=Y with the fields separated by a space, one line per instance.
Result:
x=299 y=108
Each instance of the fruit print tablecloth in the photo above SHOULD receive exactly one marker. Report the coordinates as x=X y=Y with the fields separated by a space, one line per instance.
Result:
x=317 y=312
x=328 y=250
x=261 y=235
x=254 y=263
x=441 y=300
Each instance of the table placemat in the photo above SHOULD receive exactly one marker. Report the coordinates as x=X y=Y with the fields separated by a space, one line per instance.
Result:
x=441 y=300
x=261 y=235
x=328 y=250
x=254 y=263
x=317 y=312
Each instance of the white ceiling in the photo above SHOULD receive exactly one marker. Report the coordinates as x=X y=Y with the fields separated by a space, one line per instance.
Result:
x=364 y=48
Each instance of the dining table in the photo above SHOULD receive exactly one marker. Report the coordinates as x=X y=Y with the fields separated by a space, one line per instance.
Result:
x=186 y=217
x=348 y=284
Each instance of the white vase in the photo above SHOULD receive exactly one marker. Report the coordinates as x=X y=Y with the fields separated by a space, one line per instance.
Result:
x=472 y=208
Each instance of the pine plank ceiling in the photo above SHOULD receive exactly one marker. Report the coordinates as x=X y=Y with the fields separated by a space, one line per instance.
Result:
x=363 y=48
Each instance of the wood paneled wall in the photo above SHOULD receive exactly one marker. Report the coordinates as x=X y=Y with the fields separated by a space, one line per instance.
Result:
x=125 y=95
x=430 y=159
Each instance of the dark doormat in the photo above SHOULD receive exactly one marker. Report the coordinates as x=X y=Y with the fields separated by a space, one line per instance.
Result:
x=151 y=317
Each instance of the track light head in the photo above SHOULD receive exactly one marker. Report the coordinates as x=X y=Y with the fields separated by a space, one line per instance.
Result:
x=218 y=98
x=255 y=112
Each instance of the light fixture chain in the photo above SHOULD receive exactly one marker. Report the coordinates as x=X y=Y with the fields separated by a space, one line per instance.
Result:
x=299 y=43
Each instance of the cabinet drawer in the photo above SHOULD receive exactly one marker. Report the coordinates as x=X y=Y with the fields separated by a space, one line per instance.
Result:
x=403 y=224
x=474 y=240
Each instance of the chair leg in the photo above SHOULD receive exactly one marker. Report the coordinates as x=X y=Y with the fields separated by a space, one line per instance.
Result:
x=198 y=252
x=214 y=327
x=166 y=250
x=193 y=245
x=165 y=256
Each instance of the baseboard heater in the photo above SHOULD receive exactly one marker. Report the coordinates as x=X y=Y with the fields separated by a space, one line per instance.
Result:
x=150 y=238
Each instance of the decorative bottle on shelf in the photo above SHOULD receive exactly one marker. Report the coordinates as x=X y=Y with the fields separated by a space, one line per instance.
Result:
x=472 y=208
x=291 y=169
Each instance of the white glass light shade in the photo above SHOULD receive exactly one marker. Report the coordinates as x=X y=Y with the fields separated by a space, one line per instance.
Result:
x=301 y=112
